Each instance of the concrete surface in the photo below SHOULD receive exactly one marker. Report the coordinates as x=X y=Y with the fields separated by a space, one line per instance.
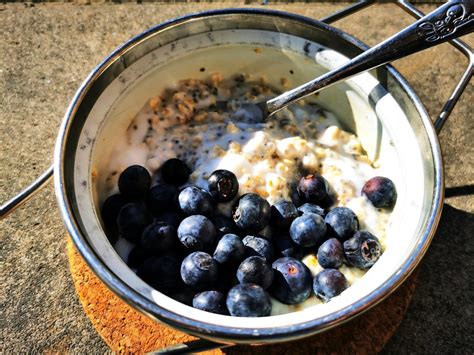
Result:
x=46 y=50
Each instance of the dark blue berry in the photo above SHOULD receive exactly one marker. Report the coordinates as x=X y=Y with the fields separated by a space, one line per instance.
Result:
x=162 y=198
x=255 y=270
x=184 y=294
x=137 y=257
x=161 y=272
x=193 y=200
x=341 y=223
x=132 y=220
x=308 y=230
x=223 y=185
x=158 y=238
x=329 y=283
x=134 y=182
x=258 y=246
x=109 y=212
x=331 y=254
x=248 y=300
x=171 y=218
x=229 y=250
x=197 y=233
x=310 y=208
x=313 y=189
x=282 y=214
x=199 y=270
x=287 y=247
x=362 y=250
x=252 y=213
x=294 y=196
x=248 y=113
x=211 y=301
x=175 y=172
x=226 y=278
x=224 y=225
x=268 y=231
x=292 y=281
x=380 y=191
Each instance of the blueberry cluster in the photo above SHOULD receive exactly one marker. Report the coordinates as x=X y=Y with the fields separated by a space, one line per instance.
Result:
x=231 y=265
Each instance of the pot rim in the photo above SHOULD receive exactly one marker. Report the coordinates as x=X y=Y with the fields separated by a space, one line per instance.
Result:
x=208 y=330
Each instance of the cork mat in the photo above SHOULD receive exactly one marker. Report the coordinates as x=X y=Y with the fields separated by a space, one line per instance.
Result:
x=128 y=331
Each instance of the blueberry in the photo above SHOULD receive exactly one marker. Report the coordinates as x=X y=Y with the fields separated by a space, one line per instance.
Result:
x=170 y=218
x=248 y=113
x=211 y=301
x=229 y=250
x=158 y=238
x=252 y=213
x=313 y=188
x=199 y=270
x=258 y=246
x=255 y=270
x=267 y=232
x=362 y=250
x=308 y=230
x=132 y=220
x=292 y=282
x=193 y=200
x=310 y=208
x=161 y=273
x=223 y=185
x=226 y=278
x=329 y=283
x=162 y=198
x=197 y=233
x=283 y=213
x=287 y=247
x=294 y=196
x=380 y=191
x=224 y=225
x=184 y=294
x=341 y=223
x=248 y=300
x=109 y=212
x=134 y=182
x=175 y=172
x=330 y=254
x=137 y=257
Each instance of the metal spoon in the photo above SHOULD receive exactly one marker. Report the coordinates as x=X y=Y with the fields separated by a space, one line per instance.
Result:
x=449 y=21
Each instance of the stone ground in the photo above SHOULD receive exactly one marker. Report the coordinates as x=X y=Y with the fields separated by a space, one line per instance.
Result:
x=47 y=50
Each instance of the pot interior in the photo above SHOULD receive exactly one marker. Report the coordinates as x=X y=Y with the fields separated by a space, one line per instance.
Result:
x=388 y=124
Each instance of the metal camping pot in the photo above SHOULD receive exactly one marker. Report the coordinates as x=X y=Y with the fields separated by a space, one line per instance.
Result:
x=380 y=107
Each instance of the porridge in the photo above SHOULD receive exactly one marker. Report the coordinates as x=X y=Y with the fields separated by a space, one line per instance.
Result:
x=241 y=203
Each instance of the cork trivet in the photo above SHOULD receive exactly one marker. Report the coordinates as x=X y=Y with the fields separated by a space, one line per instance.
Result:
x=128 y=331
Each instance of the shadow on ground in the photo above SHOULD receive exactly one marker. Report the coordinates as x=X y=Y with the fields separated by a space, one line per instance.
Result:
x=442 y=313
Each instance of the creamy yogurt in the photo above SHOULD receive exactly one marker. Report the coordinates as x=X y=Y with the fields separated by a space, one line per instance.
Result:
x=193 y=121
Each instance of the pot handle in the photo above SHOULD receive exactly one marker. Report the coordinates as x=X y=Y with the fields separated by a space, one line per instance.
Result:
x=24 y=195
x=454 y=9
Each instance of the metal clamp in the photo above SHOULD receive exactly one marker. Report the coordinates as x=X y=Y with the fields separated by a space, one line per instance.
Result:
x=463 y=81
x=26 y=194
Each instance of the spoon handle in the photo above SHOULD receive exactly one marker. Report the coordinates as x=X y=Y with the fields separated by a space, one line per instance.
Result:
x=451 y=20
